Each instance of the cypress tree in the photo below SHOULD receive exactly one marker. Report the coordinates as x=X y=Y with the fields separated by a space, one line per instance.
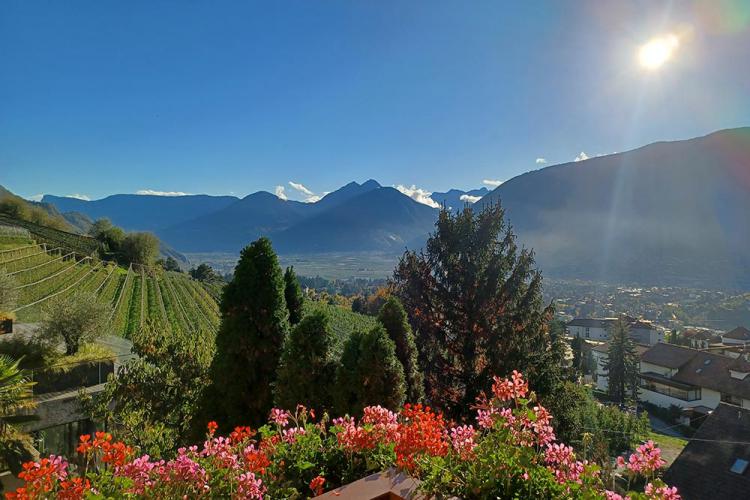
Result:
x=622 y=363
x=250 y=339
x=307 y=368
x=369 y=373
x=474 y=300
x=293 y=295
x=393 y=318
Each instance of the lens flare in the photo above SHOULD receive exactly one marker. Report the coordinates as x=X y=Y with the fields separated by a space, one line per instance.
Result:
x=654 y=53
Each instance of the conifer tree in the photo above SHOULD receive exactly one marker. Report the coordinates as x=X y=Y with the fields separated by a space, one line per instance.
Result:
x=474 y=300
x=622 y=363
x=307 y=368
x=369 y=373
x=250 y=339
x=393 y=318
x=293 y=295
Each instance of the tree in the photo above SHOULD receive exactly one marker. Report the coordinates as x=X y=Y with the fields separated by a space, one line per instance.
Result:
x=74 y=320
x=307 y=367
x=293 y=296
x=109 y=235
x=582 y=359
x=254 y=322
x=140 y=248
x=8 y=292
x=622 y=363
x=393 y=318
x=171 y=264
x=203 y=272
x=153 y=399
x=369 y=373
x=474 y=300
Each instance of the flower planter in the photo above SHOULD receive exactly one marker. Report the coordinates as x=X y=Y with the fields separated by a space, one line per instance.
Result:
x=388 y=485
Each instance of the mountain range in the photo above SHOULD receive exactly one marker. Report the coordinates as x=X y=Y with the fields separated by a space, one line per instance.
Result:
x=667 y=213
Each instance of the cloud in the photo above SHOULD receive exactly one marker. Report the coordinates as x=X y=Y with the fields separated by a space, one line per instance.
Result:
x=152 y=192
x=302 y=189
x=279 y=191
x=36 y=197
x=469 y=198
x=418 y=195
x=491 y=182
x=581 y=157
x=541 y=161
x=313 y=198
x=78 y=197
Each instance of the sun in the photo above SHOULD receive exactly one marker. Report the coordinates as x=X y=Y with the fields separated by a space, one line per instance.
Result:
x=654 y=53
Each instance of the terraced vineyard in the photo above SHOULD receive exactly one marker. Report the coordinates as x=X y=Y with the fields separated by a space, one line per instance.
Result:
x=83 y=245
x=136 y=296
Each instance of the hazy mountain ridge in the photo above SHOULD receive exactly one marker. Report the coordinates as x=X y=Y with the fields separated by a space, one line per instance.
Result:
x=670 y=212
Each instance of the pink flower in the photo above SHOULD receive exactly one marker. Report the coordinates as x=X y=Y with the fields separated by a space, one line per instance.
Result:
x=290 y=435
x=646 y=459
x=280 y=417
x=462 y=440
x=661 y=492
x=248 y=486
x=562 y=461
x=375 y=415
x=611 y=495
x=512 y=388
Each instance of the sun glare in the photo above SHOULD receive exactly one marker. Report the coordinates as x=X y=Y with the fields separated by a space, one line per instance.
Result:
x=654 y=53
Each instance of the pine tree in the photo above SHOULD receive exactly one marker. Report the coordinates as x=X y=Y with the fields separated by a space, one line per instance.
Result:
x=293 y=296
x=250 y=339
x=622 y=363
x=474 y=300
x=369 y=373
x=393 y=318
x=307 y=368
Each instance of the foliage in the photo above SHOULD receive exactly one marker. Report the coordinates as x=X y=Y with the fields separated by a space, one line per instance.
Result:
x=293 y=296
x=31 y=352
x=249 y=343
x=622 y=363
x=307 y=366
x=600 y=431
x=474 y=300
x=152 y=400
x=74 y=320
x=369 y=374
x=8 y=292
x=583 y=363
x=15 y=392
x=111 y=236
x=204 y=272
x=171 y=264
x=393 y=318
x=140 y=248
x=18 y=208
x=510 y=453
x=343 y=322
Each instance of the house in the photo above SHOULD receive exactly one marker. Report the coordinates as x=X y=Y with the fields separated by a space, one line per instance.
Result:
x=738 y=336
x=689 y=378
x=600 y=357
x=701 y=338
x=642 y=332
x=716 y=462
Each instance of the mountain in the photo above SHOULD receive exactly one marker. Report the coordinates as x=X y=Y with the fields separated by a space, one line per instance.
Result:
x=667 y=213
x=452 y=199
x=356 y=217
x=143 y=212
x=379 y=220
x=235 y=226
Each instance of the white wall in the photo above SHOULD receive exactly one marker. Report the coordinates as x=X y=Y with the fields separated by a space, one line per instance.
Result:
x=595 y=333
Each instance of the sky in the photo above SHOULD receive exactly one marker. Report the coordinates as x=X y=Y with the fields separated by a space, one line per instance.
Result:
x=103 y=97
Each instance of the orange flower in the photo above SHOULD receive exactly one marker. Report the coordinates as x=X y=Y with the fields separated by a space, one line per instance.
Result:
x=316 y=485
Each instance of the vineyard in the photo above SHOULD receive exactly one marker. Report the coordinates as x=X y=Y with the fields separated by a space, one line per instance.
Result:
x=42 y=272
x=82 y=245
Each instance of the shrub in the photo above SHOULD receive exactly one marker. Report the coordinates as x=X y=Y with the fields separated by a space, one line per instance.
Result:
x=369 y=373
x=140 y=248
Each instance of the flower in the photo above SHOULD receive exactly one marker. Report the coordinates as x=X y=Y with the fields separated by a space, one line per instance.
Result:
x=248 y=486
x=316 y=485
x=280 y=417
x=513 y=388
x=462 y=440
x=422 y=432
x=661 y=492
x=646 y=459
x=212 y=426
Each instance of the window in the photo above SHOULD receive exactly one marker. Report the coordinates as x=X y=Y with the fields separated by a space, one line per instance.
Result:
x=588 y=335
x=732 y=400
x=674 y=392
x=739 y=466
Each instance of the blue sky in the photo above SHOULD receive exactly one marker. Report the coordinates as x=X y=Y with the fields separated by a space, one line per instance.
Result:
x=101 y=97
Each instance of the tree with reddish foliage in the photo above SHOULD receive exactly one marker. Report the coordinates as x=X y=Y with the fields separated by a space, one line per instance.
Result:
x=474 y=300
